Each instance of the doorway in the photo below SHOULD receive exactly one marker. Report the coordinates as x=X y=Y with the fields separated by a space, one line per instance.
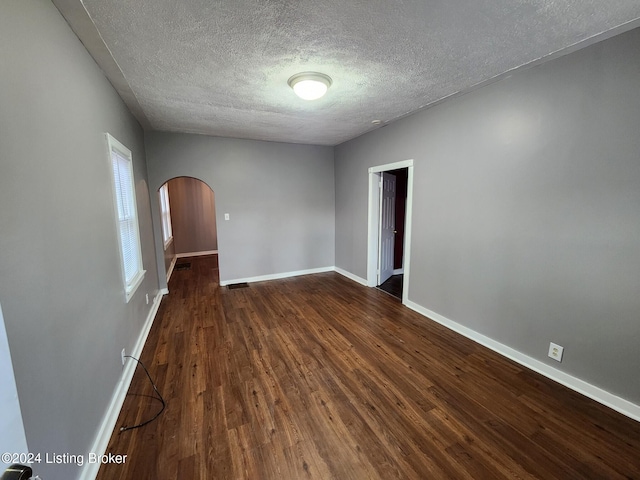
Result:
x=383 y=231
x=392 y=225
x=192 y=218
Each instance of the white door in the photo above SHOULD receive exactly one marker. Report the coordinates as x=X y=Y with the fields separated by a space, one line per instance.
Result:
x=387 y=226
x=12 y=437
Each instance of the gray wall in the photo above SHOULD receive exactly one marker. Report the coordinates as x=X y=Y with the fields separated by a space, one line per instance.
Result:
x=60 y=280
x=193 y=215
x=280 y=198
x=526 y=210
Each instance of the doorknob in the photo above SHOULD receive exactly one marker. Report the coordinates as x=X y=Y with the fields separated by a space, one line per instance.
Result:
x=395 y=231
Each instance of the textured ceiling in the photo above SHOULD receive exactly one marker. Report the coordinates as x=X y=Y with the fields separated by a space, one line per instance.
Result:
x=221 y=67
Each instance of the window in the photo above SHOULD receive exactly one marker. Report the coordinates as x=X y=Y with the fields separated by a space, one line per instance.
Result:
x=126 y=216
x=165 y=215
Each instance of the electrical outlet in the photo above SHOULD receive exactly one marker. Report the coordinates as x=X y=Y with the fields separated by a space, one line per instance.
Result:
x=123 y=355
x=147 y=297
x=556 y=351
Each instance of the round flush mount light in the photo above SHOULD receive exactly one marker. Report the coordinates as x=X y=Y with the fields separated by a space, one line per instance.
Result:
x=310 y=85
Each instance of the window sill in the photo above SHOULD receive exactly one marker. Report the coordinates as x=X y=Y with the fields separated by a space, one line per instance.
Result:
x=168 y=242
x=133 y=286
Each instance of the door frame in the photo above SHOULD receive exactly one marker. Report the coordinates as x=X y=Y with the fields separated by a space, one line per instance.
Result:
x=373 y=230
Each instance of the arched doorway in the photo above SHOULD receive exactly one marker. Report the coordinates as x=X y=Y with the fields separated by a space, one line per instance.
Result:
x=188 y=214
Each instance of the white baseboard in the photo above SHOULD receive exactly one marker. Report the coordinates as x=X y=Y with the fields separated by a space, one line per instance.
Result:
x=171 y=267
x=351 y=276
x=90 y=470
x=276 y=276
x=398 y=271
x=614 y=402
x=197 y=254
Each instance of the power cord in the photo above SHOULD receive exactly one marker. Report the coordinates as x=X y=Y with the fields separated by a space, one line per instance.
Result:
x=124 y=429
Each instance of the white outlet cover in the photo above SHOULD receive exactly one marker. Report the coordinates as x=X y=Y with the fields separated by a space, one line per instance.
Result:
x=226 y=216
x=556 y=351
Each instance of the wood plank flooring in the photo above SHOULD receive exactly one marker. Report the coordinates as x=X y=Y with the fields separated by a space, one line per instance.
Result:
x=317 y=377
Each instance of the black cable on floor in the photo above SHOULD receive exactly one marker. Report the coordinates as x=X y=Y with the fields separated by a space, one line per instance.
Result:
x=124 y=429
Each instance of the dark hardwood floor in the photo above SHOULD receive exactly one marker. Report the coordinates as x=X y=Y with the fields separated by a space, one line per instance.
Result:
x=393 y=286
x=317 y=377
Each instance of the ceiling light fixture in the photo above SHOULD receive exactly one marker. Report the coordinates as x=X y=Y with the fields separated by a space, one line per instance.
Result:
x=310 y=85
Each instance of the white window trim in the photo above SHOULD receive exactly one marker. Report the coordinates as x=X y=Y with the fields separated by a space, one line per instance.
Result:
x=132 y=285
x=165 y=215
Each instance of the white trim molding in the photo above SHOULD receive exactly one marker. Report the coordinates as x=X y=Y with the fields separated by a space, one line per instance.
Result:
x=171 y=267
x=391 y=166
x=197 y=254
x=99 y=447
x=276 y=276
x=351 y=276
x=610 y=400
x=373 y=220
